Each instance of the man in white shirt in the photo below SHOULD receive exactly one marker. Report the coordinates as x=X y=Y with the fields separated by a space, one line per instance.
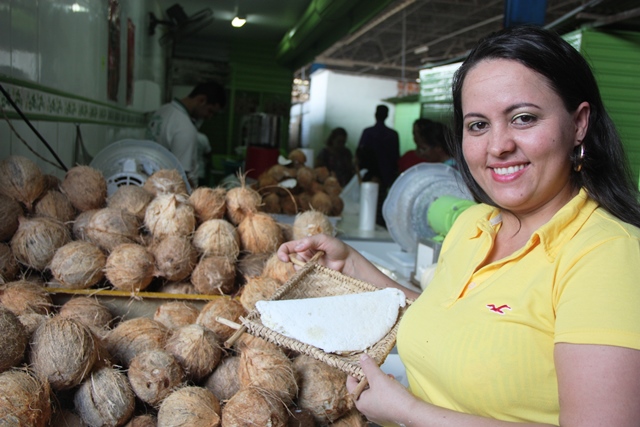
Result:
x=173 y=124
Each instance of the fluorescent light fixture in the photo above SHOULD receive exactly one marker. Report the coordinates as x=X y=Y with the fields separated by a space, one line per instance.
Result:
x=238 y=21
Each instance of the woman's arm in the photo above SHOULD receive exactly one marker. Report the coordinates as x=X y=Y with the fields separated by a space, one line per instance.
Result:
x=341 y=257
x=599 y=386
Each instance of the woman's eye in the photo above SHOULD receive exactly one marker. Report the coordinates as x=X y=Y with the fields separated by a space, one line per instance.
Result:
x=524 y=119
x=477 y=126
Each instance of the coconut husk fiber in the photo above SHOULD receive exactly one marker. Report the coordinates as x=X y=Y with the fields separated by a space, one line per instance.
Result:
x=105 y=398
x=131 y=198
x=89 y=311
x=240 y=201
x=197 y=350
x=208 y=203
x=79 y=226
x=10 y=211
x=165 y=181
x=170 y=215
x=134 y=336
x=13 y=339
x=25 y=400
x=214 y=275
x=259 y=233
x=277 y=269
x=181 y=288
x=353 y=418
x=224 y=381
x=63 y=351
x=9 y=267
x=56 y=205
x=22 y=180
x=37 y=240
x=321 y=389
x=153 y=375
x=251 y=264
x=217 y=237
x=78 y=265
x=190 y=406
x=147 y=420
x=22 y=297
x=268 y=369
x=130 y=267
x=175 y=257
x=310 y=223
x=227 y=308
x=85 y=187
x=259 y=288
x=254 y=407
x=32 y=321
x=299 y=417
x=176 y=314
x=109 y=228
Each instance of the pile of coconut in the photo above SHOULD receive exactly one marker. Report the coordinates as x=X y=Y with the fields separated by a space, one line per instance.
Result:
x=75 y=364
x=290 y=187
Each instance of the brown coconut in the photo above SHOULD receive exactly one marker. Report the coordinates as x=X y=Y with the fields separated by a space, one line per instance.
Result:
x=146 y=420
x=175 y=257
x=131 y=198
x=251 y=264
x=78 y=265
x=247 y=340
x=22 y=297
x=353 y=418
x=22 y=180
x=165 y=181
x=299 y=417
x=190 y=406
x=277 y=269
x=281 y=172
x=258 y=288
x=224 y=381
x=259 y=233
x=66 y=418
x=337 y=205
x=9 y=267
x=109 y=228
x=88 y=311
x=180 y=288
x=153 y=375
x=63 y=351
x=105 y=398
x=306 y=177
x=321 y=202
x=170 y=215
x=214 y=275
x=217 y=237
x=268 y=369
x=130 y=267
x=208 y=203
x=32 y=321
x=134 y=336
x=78 y=228
x=10 y=211
x=271 y=204
x=56 y=205
x=85 y=187
x=322 y=173
x=197 y=350
x=176 y=314
x=25 y=400
x=310 y=223
x=255 y=407
x=13 y=339
x=240 y=201
x=52 y=182
x=298 y=158
x=227 y=308
x=322 y=389
x=37 y=239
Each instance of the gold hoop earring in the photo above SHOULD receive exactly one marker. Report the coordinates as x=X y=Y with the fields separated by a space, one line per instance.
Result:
x=580 y=159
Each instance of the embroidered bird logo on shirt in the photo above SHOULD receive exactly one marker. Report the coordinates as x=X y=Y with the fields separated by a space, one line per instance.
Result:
x=499 y=309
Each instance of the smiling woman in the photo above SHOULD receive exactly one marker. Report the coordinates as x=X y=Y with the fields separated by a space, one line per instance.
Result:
x=516 y=325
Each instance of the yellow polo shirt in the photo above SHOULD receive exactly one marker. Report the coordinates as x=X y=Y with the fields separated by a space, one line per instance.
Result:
x=480 y=341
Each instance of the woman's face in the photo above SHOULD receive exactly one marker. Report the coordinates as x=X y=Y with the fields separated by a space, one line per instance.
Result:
x=518 y=136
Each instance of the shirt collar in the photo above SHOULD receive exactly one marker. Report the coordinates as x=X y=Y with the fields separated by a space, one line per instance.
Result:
x=555 y=233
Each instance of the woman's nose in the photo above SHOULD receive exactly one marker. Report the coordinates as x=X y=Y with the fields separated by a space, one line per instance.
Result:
x=501 y=141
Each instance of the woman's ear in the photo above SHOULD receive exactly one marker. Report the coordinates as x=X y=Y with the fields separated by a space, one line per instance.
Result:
x=581 y=120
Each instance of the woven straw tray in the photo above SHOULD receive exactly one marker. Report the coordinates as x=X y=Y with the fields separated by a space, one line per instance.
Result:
x=312 y=281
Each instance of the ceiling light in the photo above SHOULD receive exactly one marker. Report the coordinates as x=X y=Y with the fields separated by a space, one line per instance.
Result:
x=239 y=21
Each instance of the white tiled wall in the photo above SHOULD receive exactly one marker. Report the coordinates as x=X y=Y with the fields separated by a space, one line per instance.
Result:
x=61 y=47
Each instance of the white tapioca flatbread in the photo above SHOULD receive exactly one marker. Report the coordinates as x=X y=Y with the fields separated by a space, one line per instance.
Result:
x=341 y=323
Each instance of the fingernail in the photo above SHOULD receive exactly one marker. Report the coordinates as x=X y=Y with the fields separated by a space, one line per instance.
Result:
x=363 y=357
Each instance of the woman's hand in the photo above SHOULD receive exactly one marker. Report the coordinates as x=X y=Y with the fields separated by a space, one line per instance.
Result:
x=386 y=401
x=336 y=252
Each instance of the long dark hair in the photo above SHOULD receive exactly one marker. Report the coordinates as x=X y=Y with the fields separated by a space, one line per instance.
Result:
x=605 y=172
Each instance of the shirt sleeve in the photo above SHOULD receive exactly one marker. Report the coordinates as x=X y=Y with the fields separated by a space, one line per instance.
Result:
x=598 y=295
x=184 y=145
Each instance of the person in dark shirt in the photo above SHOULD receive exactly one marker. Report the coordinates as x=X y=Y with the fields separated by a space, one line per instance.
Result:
x=378 y=152
x=336 y=157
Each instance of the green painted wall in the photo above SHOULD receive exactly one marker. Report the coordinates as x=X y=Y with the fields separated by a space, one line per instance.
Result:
x=405 y=114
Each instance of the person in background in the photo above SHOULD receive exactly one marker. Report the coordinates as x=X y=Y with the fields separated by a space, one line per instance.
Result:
x=378 y=151
x=532 y=314
x=336 y=157
x=173 y=125
x=431 y=145
x=204 y=160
